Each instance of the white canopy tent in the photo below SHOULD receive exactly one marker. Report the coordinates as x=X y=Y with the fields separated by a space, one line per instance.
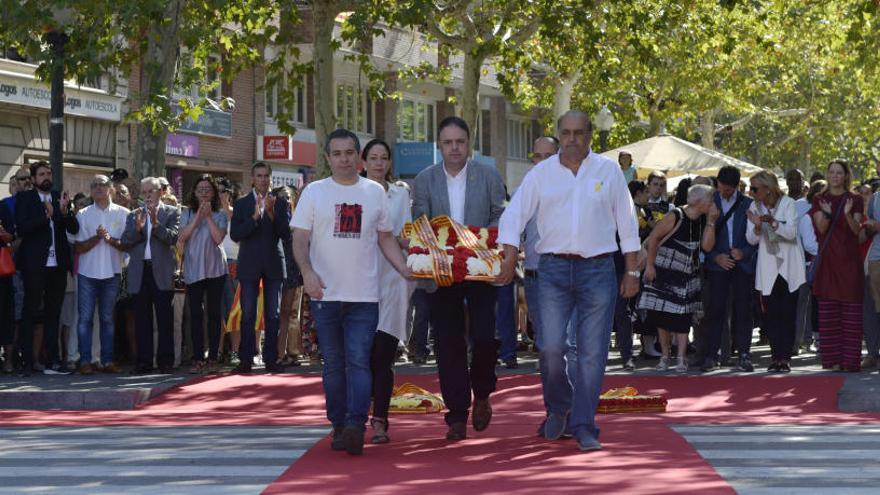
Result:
x=675 y=157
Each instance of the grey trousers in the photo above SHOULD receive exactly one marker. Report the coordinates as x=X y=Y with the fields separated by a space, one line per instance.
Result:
x=871 y=322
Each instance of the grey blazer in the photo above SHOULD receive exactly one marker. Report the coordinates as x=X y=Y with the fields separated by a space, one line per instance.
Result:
x=162 y=238
x=484 y=197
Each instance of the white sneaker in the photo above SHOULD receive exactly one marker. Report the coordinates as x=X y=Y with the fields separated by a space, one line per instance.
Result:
x=663 y=365
x=682 y=366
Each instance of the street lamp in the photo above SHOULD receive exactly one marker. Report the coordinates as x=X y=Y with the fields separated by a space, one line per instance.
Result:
x=604 y=121
x=57 y=39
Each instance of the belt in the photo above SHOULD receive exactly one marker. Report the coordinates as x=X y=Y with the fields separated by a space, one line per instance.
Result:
x=531 y=273
x=570 y=256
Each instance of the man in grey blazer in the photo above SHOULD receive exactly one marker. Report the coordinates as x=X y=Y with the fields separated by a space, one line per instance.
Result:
x=150 y=234
x=471 y=194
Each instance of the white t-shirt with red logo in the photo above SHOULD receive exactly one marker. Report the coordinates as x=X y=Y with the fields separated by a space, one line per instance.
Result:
x=345 y=222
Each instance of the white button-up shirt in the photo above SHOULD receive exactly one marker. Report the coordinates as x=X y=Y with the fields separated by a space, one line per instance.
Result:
x=102 y=261
x=576 y=214
x=457 y=189
x=148 y=231
x=726 y=205
x=51 y=260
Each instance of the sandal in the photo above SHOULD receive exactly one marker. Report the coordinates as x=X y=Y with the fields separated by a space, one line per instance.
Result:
x=380 y=431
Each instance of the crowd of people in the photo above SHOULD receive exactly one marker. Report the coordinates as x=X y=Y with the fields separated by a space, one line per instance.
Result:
x=280 y=275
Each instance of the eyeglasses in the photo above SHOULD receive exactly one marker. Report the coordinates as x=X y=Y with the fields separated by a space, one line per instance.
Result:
x=22 y=179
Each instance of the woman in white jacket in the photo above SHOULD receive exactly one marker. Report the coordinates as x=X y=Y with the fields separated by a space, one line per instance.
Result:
x=780 y=270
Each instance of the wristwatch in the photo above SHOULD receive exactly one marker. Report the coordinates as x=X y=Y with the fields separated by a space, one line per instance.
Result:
x=634 y=273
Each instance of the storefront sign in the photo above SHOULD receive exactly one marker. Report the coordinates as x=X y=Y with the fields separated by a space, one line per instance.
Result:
x=292 y=179
x=24 y=90
x=210 y=123
x=182 y=145
x=412 y=158
x=276 y=148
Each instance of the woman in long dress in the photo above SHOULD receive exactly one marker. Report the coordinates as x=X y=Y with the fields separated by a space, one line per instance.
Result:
x=394 y=290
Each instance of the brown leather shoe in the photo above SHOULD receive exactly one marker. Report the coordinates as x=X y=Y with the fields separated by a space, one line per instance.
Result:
x=457 y=431
x=85 y=369
x=112 y=368
x=482 y=414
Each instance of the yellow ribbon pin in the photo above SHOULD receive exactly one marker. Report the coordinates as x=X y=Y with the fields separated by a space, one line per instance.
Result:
x=598 y=186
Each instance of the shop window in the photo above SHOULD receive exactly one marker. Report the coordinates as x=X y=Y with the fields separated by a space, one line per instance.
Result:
x=519 y=135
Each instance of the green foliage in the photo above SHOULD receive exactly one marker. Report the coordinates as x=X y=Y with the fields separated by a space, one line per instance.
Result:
x=111 y=37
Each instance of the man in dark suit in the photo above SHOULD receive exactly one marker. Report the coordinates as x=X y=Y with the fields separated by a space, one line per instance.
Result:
x=260 y=224
x=730 y=270
x=471 y=194
x=42 y=216
x=150 y=234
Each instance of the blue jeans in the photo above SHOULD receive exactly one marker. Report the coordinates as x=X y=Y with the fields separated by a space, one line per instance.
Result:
x=532 y=300
x=505 y=321
x=590 y=287
x=345 y=338
x=92 y=291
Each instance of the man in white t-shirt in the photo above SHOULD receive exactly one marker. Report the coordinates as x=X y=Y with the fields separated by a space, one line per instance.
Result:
x=98 y=271
x=339 y=224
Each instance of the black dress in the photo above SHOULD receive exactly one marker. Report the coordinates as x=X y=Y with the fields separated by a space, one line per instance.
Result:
x=674 y=296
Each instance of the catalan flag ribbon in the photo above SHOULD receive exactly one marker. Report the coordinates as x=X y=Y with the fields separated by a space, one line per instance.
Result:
x=233 y=323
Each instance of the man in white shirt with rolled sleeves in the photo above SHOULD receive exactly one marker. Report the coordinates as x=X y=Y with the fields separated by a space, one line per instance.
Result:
x=582 y=202
x=99 y=267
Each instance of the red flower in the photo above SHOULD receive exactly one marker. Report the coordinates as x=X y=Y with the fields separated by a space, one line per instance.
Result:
x=452 y=240
x=492 y=242
x=465 y=252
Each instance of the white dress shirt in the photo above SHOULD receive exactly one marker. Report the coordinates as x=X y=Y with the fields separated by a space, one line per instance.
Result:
x=51 y=260
x=457 y=188
x=788 y=258
x=102 y=261
x=575 y=214
x=726 y=205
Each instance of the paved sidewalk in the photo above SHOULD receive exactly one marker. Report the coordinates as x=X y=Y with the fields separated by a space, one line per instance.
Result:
x=74 y=391
x=861 y=391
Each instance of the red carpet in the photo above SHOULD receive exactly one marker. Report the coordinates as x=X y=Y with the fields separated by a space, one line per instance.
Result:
x=642 y=455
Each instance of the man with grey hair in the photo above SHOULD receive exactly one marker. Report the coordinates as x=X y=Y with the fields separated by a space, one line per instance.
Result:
x=99 y=267
x=150 y=234
x=582 y=203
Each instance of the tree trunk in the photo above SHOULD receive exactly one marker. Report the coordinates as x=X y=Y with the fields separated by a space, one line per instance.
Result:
x=324 y=18
x=157 y=78
x=707 y=128
x=657 y=124
x=470 y=93
x=563 y=90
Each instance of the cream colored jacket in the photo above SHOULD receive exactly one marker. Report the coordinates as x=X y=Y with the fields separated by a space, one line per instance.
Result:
x=788 y=259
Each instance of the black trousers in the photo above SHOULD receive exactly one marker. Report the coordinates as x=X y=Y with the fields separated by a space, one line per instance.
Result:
x=7 y=311
x=44 y=287
x=721 y=284
x=382 y=367
x=779 y=321
x=150 y=298
x=213 y=288
x=451 y=337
